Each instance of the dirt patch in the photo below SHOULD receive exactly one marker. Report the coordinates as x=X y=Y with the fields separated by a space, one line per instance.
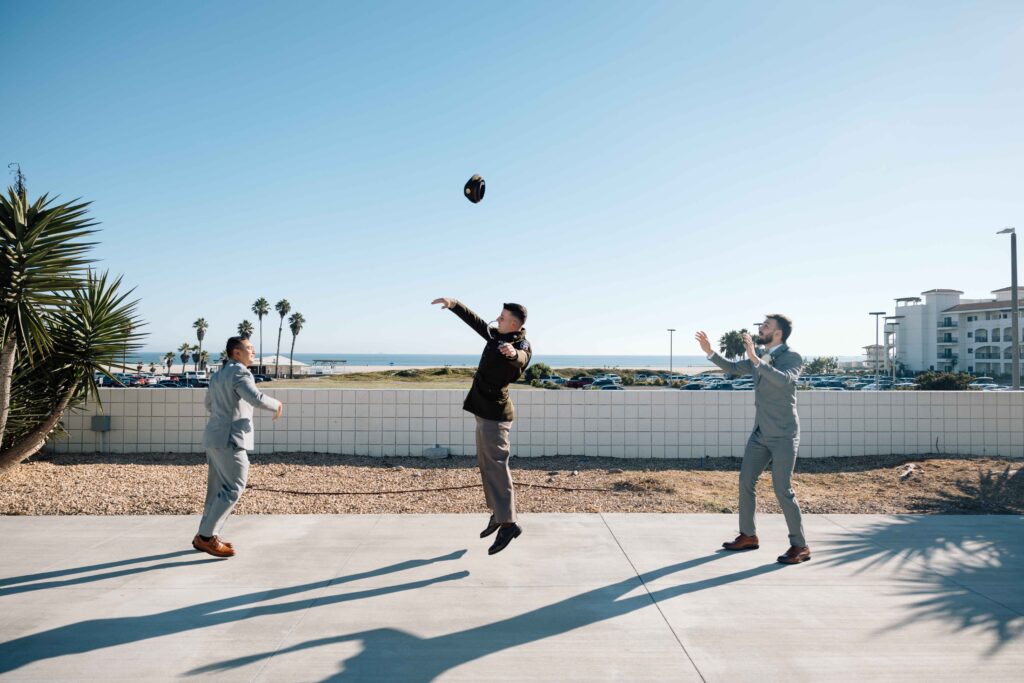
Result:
x=308 y=483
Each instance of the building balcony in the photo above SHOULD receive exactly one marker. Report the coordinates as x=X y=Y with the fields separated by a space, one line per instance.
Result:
x=947 y=359
x=948 y=342
x=948 y=324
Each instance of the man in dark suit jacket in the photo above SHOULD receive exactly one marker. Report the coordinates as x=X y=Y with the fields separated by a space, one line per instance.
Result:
x=776 y=435
x=506 y=354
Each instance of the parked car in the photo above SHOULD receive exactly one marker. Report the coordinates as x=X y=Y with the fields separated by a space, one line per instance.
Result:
x=612 y=387
x=579 y=382
x=692 y=386
x=263 y=378
x=167 y=384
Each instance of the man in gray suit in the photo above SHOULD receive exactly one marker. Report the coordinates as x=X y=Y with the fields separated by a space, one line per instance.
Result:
x=776 y=435
x=229 y=435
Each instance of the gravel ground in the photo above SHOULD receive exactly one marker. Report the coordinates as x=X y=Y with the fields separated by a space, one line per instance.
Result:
x=176 y=483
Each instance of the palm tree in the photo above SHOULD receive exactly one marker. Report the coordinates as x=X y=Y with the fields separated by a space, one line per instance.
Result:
x=196 y=354
x=295 y=323
x=152 y=368
x=201 y=326
x=185 y=350
x=169 y=361
x=731 y=345
x=245 y=329
x=204 y=359
x=282 y=307
x=260 y=308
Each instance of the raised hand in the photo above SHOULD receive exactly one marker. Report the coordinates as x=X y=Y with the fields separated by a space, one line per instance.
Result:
x=705 y=345
x=444 y=301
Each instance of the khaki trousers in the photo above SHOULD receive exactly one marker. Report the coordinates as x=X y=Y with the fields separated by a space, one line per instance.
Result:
x=492 y=454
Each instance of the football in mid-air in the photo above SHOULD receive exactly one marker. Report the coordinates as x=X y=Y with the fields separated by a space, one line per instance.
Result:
x=475 y=188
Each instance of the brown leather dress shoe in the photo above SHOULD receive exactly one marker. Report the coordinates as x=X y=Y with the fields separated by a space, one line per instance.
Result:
x=795 y=555
x=214 y=547
x=742 y=542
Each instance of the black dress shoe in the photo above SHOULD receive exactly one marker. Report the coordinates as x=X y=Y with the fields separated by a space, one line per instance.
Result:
x=492 y=526
x=505 y=536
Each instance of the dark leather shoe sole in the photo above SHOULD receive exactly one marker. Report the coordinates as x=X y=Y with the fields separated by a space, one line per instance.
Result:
x=499 y=546
x=783 y=559
x=743 y=547
x=491 y=528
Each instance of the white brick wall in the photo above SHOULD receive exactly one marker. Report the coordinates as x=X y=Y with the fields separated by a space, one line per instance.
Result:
x=626 y=424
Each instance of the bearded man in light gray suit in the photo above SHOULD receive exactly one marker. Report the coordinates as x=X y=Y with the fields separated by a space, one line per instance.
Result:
x=230 y=400
x=776 y=435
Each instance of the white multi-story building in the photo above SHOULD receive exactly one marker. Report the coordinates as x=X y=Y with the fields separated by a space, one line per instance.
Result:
x=945 y=332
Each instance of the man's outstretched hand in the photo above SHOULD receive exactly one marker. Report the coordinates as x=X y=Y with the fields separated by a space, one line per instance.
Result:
x=444 y=301
x=705 y=345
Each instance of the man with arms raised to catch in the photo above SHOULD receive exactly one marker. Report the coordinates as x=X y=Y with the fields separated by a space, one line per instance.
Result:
x=776 y=436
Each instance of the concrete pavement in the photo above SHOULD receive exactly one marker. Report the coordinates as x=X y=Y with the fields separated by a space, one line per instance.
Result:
x=579 y=597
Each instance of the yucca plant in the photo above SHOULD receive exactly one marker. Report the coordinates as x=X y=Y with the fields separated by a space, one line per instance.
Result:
x=60 y=323
x=41 y=258
x=87 y=333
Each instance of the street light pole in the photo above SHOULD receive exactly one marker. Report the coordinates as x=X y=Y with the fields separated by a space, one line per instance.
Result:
x=877 y=314
x=670 y=331
x=894 y=320
x=1015 y=310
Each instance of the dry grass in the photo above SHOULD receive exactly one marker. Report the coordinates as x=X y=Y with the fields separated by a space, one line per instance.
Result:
x=175 y=484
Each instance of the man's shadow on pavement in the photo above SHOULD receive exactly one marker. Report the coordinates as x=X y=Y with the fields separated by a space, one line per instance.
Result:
x=393 y=655
x=35 y=582
x=96 y=634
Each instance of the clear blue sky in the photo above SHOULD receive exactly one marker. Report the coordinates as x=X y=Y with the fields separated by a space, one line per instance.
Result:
x=649 y=165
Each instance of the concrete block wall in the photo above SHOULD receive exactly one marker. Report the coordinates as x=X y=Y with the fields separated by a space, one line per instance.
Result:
x=623 y=424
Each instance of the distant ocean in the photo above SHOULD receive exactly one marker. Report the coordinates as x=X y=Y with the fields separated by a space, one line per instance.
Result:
x=470 y=360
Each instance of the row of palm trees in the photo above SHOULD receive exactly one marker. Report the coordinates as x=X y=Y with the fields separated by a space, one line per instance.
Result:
x=260 y=308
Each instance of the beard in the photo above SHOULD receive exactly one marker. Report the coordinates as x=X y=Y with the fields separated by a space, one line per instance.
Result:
x=764 y=339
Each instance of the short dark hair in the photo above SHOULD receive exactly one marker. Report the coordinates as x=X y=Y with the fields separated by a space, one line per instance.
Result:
x=518 y=310
x=234 y=343
x=784 y=322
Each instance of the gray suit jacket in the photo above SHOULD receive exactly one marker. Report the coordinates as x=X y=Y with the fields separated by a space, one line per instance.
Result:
x=774 y=390
x=230 y=401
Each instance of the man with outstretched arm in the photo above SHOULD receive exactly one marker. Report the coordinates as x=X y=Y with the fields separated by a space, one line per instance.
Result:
x=776 y=435
x=506 y=355
x=230 y=400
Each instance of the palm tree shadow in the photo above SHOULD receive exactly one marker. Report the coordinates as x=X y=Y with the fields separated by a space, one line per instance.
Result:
x=393 y=655
x=957 y=592
x=96 y=634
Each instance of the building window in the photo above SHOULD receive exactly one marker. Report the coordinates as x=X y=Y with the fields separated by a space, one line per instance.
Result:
x=970 y=350
x=995 y=335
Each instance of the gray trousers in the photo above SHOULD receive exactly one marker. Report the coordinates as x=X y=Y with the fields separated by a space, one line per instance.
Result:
x=225 y=482
x=492 y=454
x=780 y=454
